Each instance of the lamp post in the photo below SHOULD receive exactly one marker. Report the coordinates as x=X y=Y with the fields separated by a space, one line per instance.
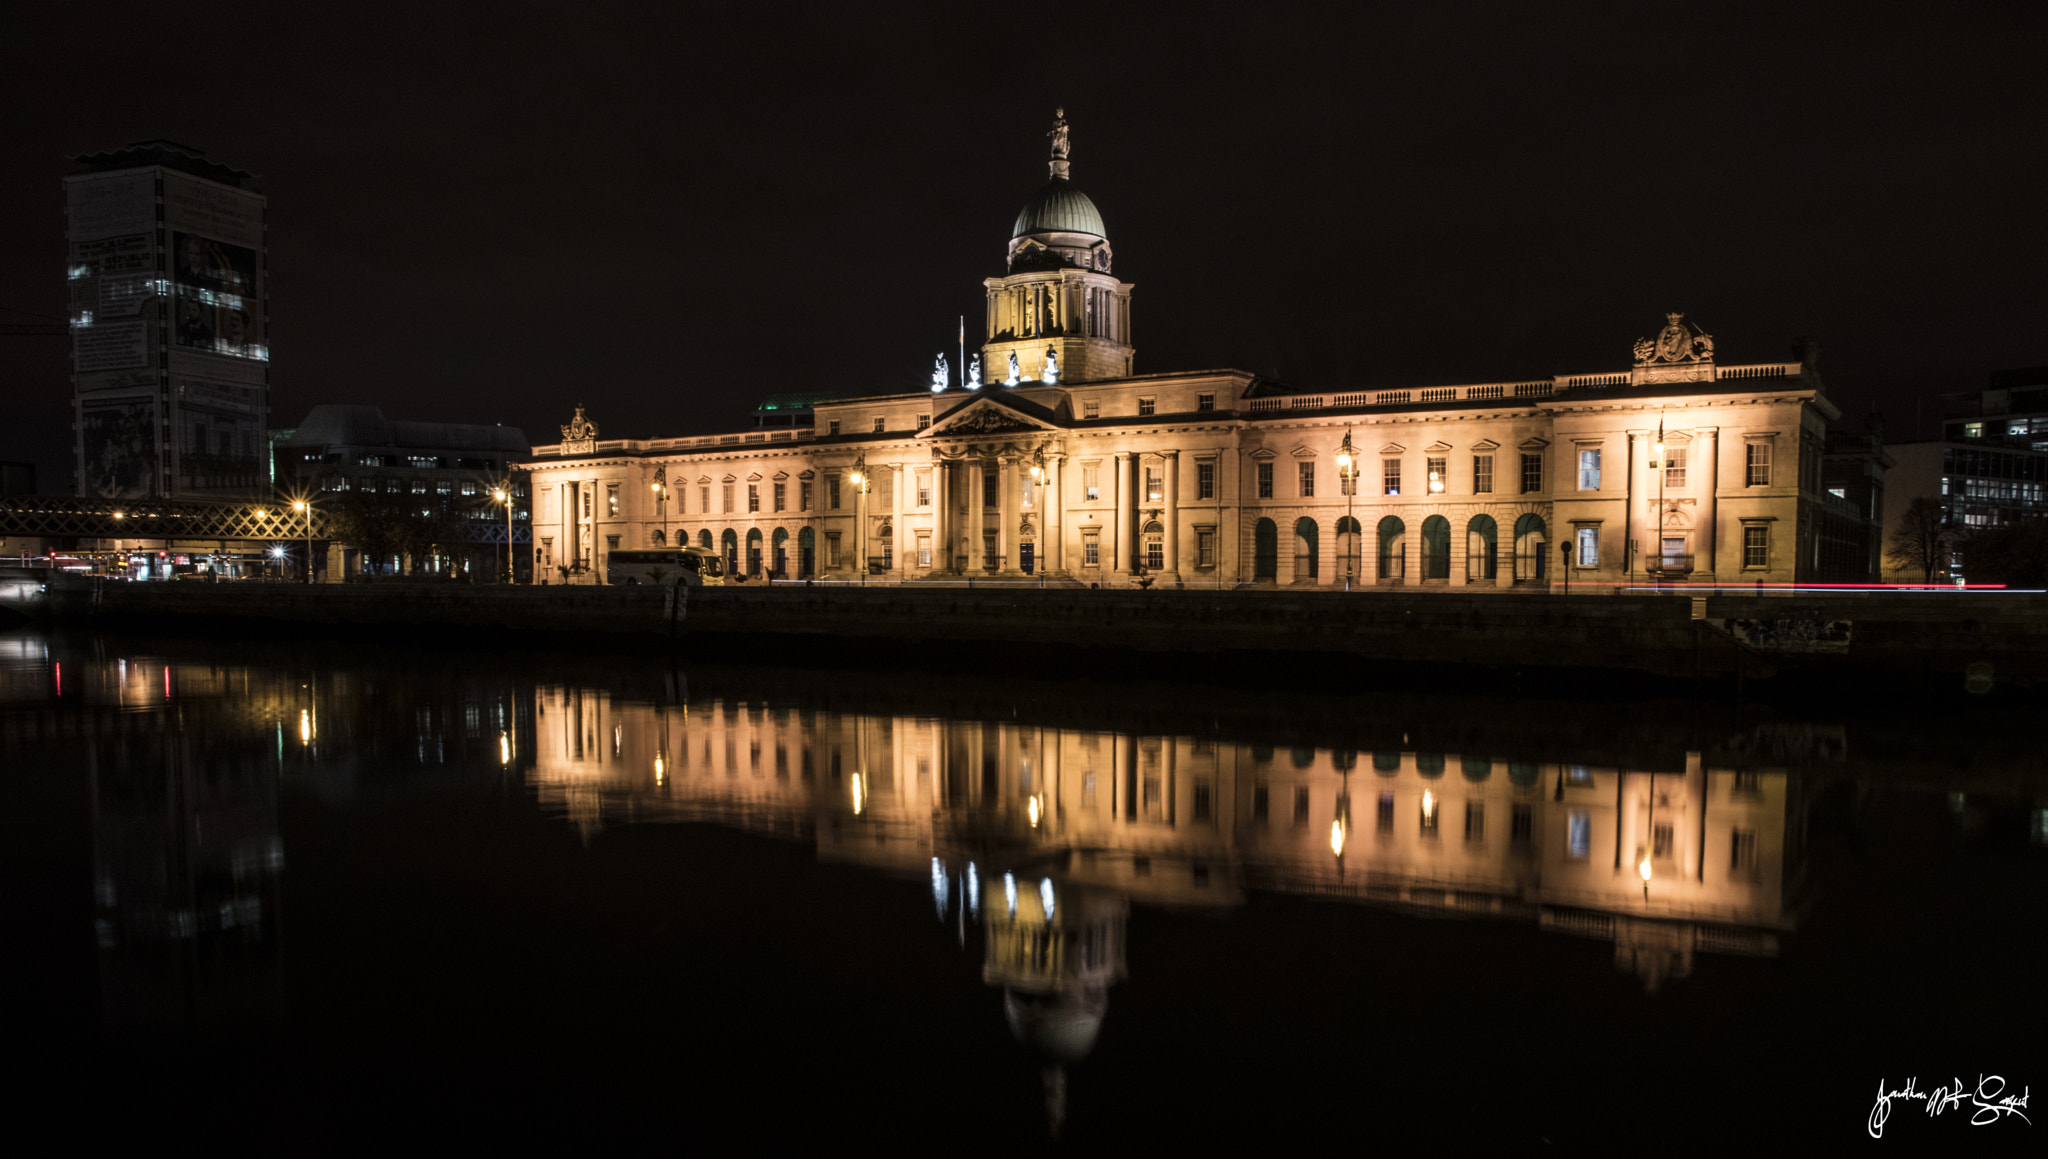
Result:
x=504 y=495
x=1658 y=463
x=859 y=478
x=1347 y=478
x=306 y=506
x=660 y=488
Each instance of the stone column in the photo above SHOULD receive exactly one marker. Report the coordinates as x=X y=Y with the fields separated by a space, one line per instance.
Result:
x=1172 y=516
x=1009 y=541
x=1125 y=497
x=1707 y=517
x=976 y=520
x=942 y=523
x=900 y=539
x=1052 y=520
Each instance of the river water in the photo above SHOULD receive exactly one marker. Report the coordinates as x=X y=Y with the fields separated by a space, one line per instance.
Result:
x=331 y=895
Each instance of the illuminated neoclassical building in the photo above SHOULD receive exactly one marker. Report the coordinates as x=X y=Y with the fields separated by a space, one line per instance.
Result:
x=1051 y=457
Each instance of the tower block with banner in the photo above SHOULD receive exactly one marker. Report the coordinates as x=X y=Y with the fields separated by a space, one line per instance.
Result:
x=1057 y=308
x=170 y=322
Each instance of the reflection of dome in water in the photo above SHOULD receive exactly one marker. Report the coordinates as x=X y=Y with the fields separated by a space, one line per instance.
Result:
x=1061 y=1027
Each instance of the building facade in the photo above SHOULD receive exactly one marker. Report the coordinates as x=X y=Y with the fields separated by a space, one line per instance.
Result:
x=1053 y=461
x=170 y=318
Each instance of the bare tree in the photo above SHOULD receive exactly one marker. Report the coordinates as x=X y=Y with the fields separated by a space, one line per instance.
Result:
x=1921 y=540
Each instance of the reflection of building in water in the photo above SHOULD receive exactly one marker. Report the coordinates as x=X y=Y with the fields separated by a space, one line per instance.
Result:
x=1665 y=863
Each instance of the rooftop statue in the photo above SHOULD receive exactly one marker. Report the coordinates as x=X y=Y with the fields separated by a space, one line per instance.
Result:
x=1058 y=133
x=974 y=374
x=1052 y=367
x=1677 y=342
x=1012 y=380
x=942 y=375
x=579 y=428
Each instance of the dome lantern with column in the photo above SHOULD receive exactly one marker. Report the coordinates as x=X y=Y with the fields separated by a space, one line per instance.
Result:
x=1058 y=297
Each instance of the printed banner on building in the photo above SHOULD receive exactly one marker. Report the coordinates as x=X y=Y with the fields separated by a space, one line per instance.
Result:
x=117 y=442
x=110 y=346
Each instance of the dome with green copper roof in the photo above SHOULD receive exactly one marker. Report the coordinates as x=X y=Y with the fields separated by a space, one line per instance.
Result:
x=1058 y=207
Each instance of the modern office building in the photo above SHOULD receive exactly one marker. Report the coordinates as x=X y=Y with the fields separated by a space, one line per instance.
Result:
x=1054 y=458
x=168 y=270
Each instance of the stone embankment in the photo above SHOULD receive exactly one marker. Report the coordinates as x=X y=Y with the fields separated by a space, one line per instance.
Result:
x=1949 y=637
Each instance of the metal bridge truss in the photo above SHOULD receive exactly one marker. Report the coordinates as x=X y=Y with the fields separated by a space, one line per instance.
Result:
x=53 y=516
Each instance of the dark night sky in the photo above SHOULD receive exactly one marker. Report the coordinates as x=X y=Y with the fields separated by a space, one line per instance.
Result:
x=489 y=213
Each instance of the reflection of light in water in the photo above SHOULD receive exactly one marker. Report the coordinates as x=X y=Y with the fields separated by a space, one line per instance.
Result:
x=973 y=891
x=1337 y=837
x=1044 y=896
x=1428 y=805
x=941 y=886
x=858 y=802
x=1034 y=812
x=660 y=768
x=1010 y=892
x=504 y=749
x=305 y=727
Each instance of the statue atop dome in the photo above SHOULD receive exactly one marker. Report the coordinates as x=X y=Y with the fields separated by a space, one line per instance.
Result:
x=1058 y=133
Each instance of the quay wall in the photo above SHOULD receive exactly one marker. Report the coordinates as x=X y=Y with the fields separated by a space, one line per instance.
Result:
x=1896 y=634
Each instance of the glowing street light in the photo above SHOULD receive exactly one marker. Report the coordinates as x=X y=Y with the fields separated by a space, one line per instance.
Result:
x=1347 y=473
x=306 y=507
x=859 y=478
x=504 y=495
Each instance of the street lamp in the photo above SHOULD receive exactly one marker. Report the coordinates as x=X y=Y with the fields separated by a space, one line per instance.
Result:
x=859 y=478
x=1347 y=476
x=306 y=507
x=660 y=489
x=504 y=495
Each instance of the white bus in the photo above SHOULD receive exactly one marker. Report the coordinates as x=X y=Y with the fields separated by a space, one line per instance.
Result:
x=691 y=566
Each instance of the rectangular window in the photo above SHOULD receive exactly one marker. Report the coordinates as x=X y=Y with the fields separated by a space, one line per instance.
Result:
x=781 y=496
x=728 y=498
x=1532 y=474
x=1589 y=470
x=1201 y=800
x=1521 y=824
x=1205 y=547
x=1589 y=547
x=1439 y=476
x=1748 y=782
x=1756 y=545
x=878 y=424
x=1301 y=805
x=1205 y=402
x=1155 y=484
x=988 y=550
x=1578 y=776
x=1759 y=464
x=1025 y=489
x=832 y=492
x=1145 y=406
x=611 y=500
x=803 y=495
x=1660 y=841
x=1308 y=480
x=1743 y=850
x=1578 y=835
x=1155 y=552
x=1205 y=480
x=1265 y=480
x=753 y=497
x=923 y=421
x=1092 y=409
x=419 y=486
x=1091 y=483
x=831 y=549
x=1482 y=474
x=924 y=488
x=1390 y=476
x=832 y=428
x=1088 y=790
x=924 y=549
x=1091 y=551
x=1475 y=820
x=444 y=488
x=991 y=487
x=1260 y=799
x=1674 y=467
x=1385 y=819
x=704 y=500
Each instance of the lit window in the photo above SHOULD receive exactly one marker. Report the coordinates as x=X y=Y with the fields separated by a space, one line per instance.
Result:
x=1145 y=406
x=1674 y=467
x=1589 y=547
x=1155 y=487
x=1390 y=476
x=1308 y=480
x=444 y=487
x=1091 y=483
x=1579 y=835
x=1439 y=475
x=419 y=486
x=1482 y=474
x=1589 y=470
x=469 y=488
x=1759 y=473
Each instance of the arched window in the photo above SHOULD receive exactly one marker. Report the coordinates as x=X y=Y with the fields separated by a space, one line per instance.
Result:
x=781 y=558
x=1262 y=754
x=1265 y=550
x=754 y=551
x=1529 y=543
x=1305 y=537
x=1349 y=543
x=1482 y=542
x=1343 y=760
x=1478 y=768
x=704 y=539
x=730 y=542
x=1393 y=549
x=1386 y=764
x=1429 y=764
x=1154 y=534
x=1523 y=772
x=1436 y=548
x=806 y=552
x=658 y=537
x=1303 y=758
